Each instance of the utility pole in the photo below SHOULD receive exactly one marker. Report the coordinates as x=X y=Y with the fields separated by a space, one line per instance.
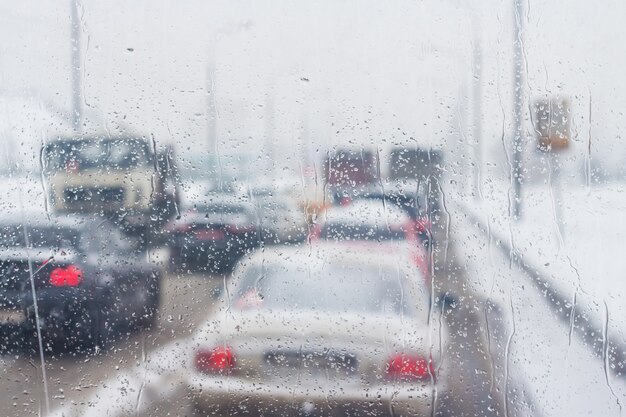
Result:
x=518 y=97
x=269 y=114
x=211 y=100
x=76 y=67
x=477 y=113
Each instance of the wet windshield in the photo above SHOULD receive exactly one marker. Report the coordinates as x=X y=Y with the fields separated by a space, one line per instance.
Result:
x=312 y=208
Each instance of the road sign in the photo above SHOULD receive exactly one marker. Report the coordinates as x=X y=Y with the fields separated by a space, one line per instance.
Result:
x=552 y=123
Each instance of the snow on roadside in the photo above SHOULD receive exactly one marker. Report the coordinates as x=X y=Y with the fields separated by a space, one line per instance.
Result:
x=158 y=378
x=583 y=255
x=566 y=376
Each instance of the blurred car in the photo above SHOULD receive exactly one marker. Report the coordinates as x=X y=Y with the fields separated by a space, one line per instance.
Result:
x=413 y=197
x=279 y=220
x=85 y=275
x=315 y=331
x=214 y=234
x=376 y=226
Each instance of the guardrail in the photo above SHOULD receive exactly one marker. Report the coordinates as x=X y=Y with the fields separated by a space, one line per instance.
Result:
x=577 y=316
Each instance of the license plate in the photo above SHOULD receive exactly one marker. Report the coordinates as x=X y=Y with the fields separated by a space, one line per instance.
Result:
x=12 y=317
x=314 y=361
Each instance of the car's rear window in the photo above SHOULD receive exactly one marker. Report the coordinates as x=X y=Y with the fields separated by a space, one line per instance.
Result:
x=328 y=287
x=371 y=232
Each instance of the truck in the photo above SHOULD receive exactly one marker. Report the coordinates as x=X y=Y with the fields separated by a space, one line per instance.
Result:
x=124 y=176
x=415 y=164
x=347 y=171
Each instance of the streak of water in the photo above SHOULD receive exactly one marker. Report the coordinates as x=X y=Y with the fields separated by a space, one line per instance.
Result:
x=605 y=355
x=507 y=354
x=35 y=305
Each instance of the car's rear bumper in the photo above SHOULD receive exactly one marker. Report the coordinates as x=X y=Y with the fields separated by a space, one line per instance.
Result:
x=62 y=313
x=227 y=395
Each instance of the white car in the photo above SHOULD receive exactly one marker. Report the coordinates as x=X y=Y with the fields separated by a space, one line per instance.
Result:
x=319 y=330
x=366 y=220
x=377 y=227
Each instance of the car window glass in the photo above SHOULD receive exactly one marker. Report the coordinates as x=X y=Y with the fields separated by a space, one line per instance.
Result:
x=311 y=208
x=284 y=286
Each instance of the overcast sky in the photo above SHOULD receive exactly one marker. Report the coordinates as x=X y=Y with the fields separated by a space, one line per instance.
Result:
x=296 y=77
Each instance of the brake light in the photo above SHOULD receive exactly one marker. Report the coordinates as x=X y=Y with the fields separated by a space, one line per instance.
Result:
x=410 y=368
x=70 y=276
x=218 y=360
x=424 y=226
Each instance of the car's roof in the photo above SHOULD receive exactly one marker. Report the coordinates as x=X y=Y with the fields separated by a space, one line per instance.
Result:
x=366 y=212
x=324 y=253
x=212 y=199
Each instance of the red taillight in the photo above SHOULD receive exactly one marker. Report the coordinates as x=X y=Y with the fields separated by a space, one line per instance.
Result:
x=410 y=368
x=218 y=360
x=69 y=276
x=209 y=234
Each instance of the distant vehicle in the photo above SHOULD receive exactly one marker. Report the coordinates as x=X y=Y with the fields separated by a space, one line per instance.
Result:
x=316 y=329
x=377 y=227
x=111 y=175
x=212 y=235
x=419 y=166
x=89 y=281
x=346 y=170
x=411 y=196
x=415 y=164
x=365 y=220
